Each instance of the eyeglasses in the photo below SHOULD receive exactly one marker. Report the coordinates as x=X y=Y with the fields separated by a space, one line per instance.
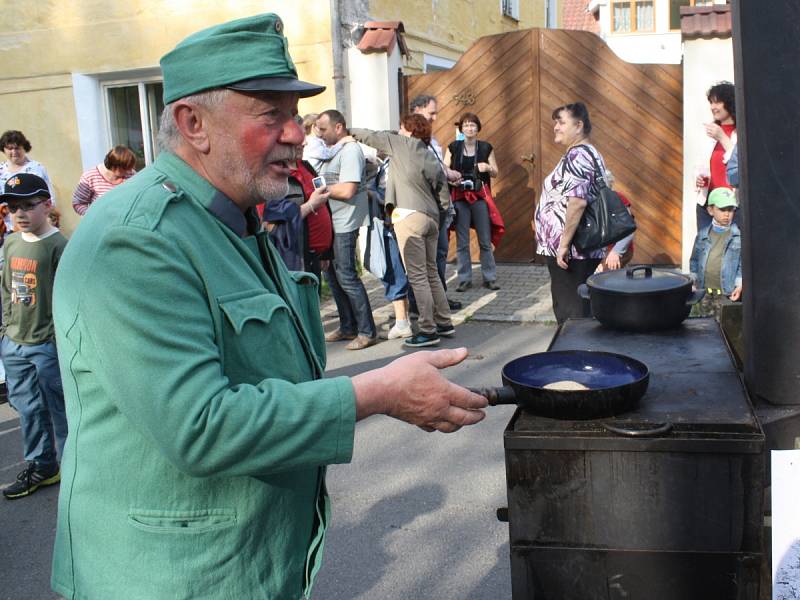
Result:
x=25 y=206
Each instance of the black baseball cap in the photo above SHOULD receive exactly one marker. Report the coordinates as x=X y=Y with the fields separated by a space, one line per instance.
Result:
x=24 y=185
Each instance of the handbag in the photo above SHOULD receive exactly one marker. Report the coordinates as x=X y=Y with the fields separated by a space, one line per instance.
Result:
x=375 y=250
x=606 y=220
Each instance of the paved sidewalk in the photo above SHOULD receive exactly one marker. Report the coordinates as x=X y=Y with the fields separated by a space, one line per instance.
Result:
x=524 y=297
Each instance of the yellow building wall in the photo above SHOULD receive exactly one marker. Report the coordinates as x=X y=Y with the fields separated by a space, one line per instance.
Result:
x=43 y=43
x=446 y=28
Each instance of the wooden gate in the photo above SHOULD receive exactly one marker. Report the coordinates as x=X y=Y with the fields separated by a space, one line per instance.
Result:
x=513 y=81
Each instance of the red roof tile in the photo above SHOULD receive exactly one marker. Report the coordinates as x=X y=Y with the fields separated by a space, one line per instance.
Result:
x=381 y=36
x=706 y=21
x=575 y=16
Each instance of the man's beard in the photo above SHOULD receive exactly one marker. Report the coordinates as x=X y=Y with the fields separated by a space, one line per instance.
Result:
x=259 y=187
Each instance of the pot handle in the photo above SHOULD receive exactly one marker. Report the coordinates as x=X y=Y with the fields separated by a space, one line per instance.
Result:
x=631 y=271
x=496 y=395
x=695 y=297
x=655 y=431
x=583 y=291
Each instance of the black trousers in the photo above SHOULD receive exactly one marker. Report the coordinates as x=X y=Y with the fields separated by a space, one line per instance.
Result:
x=564 y=287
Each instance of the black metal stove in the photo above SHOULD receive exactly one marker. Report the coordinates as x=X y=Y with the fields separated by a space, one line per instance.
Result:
x=664 y=502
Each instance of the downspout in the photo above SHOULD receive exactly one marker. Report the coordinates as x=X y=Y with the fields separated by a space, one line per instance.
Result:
x=337 y=48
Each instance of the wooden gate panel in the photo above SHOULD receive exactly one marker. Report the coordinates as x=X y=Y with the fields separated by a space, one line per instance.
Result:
x=637 y=126
x=495 y=79
x=513 y=82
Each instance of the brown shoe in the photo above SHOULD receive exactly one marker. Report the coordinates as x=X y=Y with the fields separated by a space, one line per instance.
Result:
x=338 y=336
x=362 y=342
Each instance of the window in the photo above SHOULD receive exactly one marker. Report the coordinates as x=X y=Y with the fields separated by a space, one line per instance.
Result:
x=632 y=15
x=133 y=111
x=675 y=10
x=510 y=8
x=436 y=63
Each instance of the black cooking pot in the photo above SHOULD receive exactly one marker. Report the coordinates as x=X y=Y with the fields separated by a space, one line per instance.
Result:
x=640 y=298
x=614 y=384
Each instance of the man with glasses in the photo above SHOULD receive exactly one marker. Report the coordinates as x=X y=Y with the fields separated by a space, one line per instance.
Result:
x=428 y=107
x=28 y=346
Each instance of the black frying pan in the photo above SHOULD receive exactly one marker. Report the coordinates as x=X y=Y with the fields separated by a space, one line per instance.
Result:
x=615 y=384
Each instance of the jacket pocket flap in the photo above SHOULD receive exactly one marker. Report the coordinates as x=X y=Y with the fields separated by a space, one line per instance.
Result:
x=258 y=307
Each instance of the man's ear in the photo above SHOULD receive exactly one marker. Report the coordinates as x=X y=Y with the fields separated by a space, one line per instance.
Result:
x=192 y=122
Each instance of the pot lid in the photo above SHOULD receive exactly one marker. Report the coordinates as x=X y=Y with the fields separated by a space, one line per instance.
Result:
x=641 y=279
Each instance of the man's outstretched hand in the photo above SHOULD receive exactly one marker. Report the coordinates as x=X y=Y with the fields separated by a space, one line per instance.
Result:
x=412 y=389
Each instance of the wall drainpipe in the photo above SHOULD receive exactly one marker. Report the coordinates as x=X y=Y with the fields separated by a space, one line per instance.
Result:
x=337 y=47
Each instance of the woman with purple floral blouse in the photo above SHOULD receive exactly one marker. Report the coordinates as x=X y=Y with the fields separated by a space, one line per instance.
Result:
x=566 y=192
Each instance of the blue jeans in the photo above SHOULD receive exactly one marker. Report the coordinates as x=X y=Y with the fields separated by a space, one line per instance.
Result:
x=352 y=302
x=395 y=282
x=35 y=392
x=442 y=247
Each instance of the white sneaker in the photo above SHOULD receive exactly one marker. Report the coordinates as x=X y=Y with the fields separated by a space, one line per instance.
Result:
x=400 y=332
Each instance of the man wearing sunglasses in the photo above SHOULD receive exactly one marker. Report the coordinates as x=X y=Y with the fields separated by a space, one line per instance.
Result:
x=28 y=348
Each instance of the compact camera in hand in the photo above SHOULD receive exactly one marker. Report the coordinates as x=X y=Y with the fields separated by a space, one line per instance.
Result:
x=467 y=184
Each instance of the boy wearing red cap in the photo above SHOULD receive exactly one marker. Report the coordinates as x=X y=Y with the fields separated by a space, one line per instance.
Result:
x=28 y=348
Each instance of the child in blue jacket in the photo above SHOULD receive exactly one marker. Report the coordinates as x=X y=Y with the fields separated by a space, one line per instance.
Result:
x=716 y=262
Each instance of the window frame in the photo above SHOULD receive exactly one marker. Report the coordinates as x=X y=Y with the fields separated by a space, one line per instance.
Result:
x=438 y=63
x=144 y=112
x=510 y=9
x=632 y=5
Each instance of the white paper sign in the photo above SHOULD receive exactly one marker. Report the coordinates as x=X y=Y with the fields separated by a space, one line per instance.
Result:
x=785 y=524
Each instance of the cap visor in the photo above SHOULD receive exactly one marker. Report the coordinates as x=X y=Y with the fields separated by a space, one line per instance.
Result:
x=6 y=197
x=278 y=84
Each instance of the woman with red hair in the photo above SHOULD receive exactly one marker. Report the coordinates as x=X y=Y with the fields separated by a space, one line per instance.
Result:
x=117 y=166
x=416 y=196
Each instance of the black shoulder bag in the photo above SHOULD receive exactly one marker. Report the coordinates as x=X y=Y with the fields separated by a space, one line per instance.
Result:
x=606 y=220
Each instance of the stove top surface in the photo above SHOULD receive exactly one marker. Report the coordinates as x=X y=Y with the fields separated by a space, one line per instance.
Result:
x=694 y=384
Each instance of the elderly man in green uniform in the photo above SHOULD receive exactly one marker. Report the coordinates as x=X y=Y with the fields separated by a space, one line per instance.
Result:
x=192 y=360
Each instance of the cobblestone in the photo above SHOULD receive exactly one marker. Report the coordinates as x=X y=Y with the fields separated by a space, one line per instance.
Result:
x=523 y=297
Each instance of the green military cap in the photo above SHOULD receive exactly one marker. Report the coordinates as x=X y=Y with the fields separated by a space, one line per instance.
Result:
x=249 y=54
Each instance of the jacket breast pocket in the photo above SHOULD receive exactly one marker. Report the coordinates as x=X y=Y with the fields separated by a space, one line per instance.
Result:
x=260 y=339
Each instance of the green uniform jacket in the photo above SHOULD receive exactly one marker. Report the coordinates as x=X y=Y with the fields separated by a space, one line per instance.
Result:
x=198 y=422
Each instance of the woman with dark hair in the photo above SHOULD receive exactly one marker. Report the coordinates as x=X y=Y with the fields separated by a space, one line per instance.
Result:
x=566 y=192
x=16 y=147
x=117 y=166
x=474 y=160
x=417 y=189
x=722 y=101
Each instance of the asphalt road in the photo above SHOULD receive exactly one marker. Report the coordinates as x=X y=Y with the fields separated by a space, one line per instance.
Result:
x=413 y=513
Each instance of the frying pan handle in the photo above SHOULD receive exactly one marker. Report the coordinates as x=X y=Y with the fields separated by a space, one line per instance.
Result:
x=583 y=291
x=695 y=297
x=656 y=431
x=497 y=395
x=630 y=272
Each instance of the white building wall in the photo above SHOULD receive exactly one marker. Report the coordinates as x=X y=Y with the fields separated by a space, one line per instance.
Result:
x=374 y=92
x=662 y=46
x=706 y=62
